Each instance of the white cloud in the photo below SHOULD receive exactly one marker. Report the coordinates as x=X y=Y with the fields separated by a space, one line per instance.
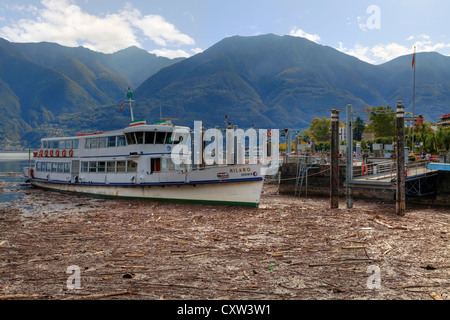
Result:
x=381 y=53
x=362 y=23
x=64 y=22
x=171 y=54
x=300 y=33
x=387 y=52
x=156 y=28
x=197 y=50
x=359 y=51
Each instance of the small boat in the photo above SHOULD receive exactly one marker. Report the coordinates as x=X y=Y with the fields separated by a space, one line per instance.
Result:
x=137 y=162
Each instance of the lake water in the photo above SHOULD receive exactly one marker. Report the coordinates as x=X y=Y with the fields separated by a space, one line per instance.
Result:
x=11 y=164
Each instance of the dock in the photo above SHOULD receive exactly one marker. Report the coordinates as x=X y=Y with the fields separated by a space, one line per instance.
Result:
x=309 y=175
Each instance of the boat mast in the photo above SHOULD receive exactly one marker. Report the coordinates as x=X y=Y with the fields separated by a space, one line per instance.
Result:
x=129 y=96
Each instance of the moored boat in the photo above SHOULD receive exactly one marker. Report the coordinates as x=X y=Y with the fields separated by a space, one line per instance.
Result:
x=137 y=162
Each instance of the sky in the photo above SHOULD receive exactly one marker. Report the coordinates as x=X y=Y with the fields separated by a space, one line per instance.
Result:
x=374 y=31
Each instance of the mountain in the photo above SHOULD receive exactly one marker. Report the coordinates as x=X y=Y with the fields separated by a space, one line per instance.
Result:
x=268 y=81
x=432 y=83
x=283 y=81
x=41 y=81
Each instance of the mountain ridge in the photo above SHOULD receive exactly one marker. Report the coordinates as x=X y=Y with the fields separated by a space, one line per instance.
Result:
x=268 y=81
x=41 y=81
x=276 y=79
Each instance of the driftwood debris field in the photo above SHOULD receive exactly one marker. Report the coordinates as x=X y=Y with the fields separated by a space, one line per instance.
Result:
x=56 y=246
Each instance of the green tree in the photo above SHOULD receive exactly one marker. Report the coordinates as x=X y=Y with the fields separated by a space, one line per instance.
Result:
x=443 y=138
x=358 y=129
x=425 y=134
x=432 y=141
x=382 y=122
x=320 y=129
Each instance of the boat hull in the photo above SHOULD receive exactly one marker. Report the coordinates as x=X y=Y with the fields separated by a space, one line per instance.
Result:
x=241 y=193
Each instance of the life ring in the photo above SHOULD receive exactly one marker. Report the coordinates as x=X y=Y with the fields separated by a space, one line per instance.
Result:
x=64 y=153
x=57 y=153
x=364 y=170
x=71 y=153
x=41 y=152
x=51 y=153
x=46 y=153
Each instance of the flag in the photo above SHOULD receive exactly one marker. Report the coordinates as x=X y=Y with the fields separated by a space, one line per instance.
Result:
x=121 y=106
x=414 y=60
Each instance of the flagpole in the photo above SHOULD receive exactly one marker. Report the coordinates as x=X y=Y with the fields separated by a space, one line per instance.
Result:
x=129 y=96
x=414 y=100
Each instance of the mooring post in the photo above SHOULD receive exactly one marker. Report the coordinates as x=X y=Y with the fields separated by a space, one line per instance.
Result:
x=334 y=161
x=203 y=142
x=400 y=130
x=349 y=167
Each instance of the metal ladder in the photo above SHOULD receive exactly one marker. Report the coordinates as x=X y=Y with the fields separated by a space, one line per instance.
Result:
x=301 y=172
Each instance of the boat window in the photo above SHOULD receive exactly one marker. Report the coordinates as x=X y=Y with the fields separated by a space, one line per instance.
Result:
x=155 y=164
x=111 y=142
x=60 y=167
x=101 y=166
x=62 y=144
x=38 y=166
x=160 y=137
x=149 y=137
x=177 y=139
x=56 y=144
x=84 y=166
x=66 y=167
x=54 y=167
x=92 y=166
x=121 y=142
x=121 y=166
x=168 y=138
x=74 y=144
x=49 y=167
x=87 y=144
x=170 y=164
x=167 y=164
x=102 y=142
x=111 y=166
x=131 y=166
x=44 y=145
x=69 y=144
x=131 y=138
x=94 y=143
x=140 y=137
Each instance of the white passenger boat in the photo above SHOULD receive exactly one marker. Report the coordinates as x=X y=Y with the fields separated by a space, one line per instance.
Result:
x=136 y=162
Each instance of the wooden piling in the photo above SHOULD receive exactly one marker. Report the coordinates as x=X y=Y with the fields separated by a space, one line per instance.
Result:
x=334 y=161
x=349 y=171
x=400 y=136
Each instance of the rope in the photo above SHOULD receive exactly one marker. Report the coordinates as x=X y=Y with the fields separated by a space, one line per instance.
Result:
x=309 y=175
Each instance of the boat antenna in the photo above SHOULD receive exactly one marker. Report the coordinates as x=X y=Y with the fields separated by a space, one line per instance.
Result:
x=129 y=96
